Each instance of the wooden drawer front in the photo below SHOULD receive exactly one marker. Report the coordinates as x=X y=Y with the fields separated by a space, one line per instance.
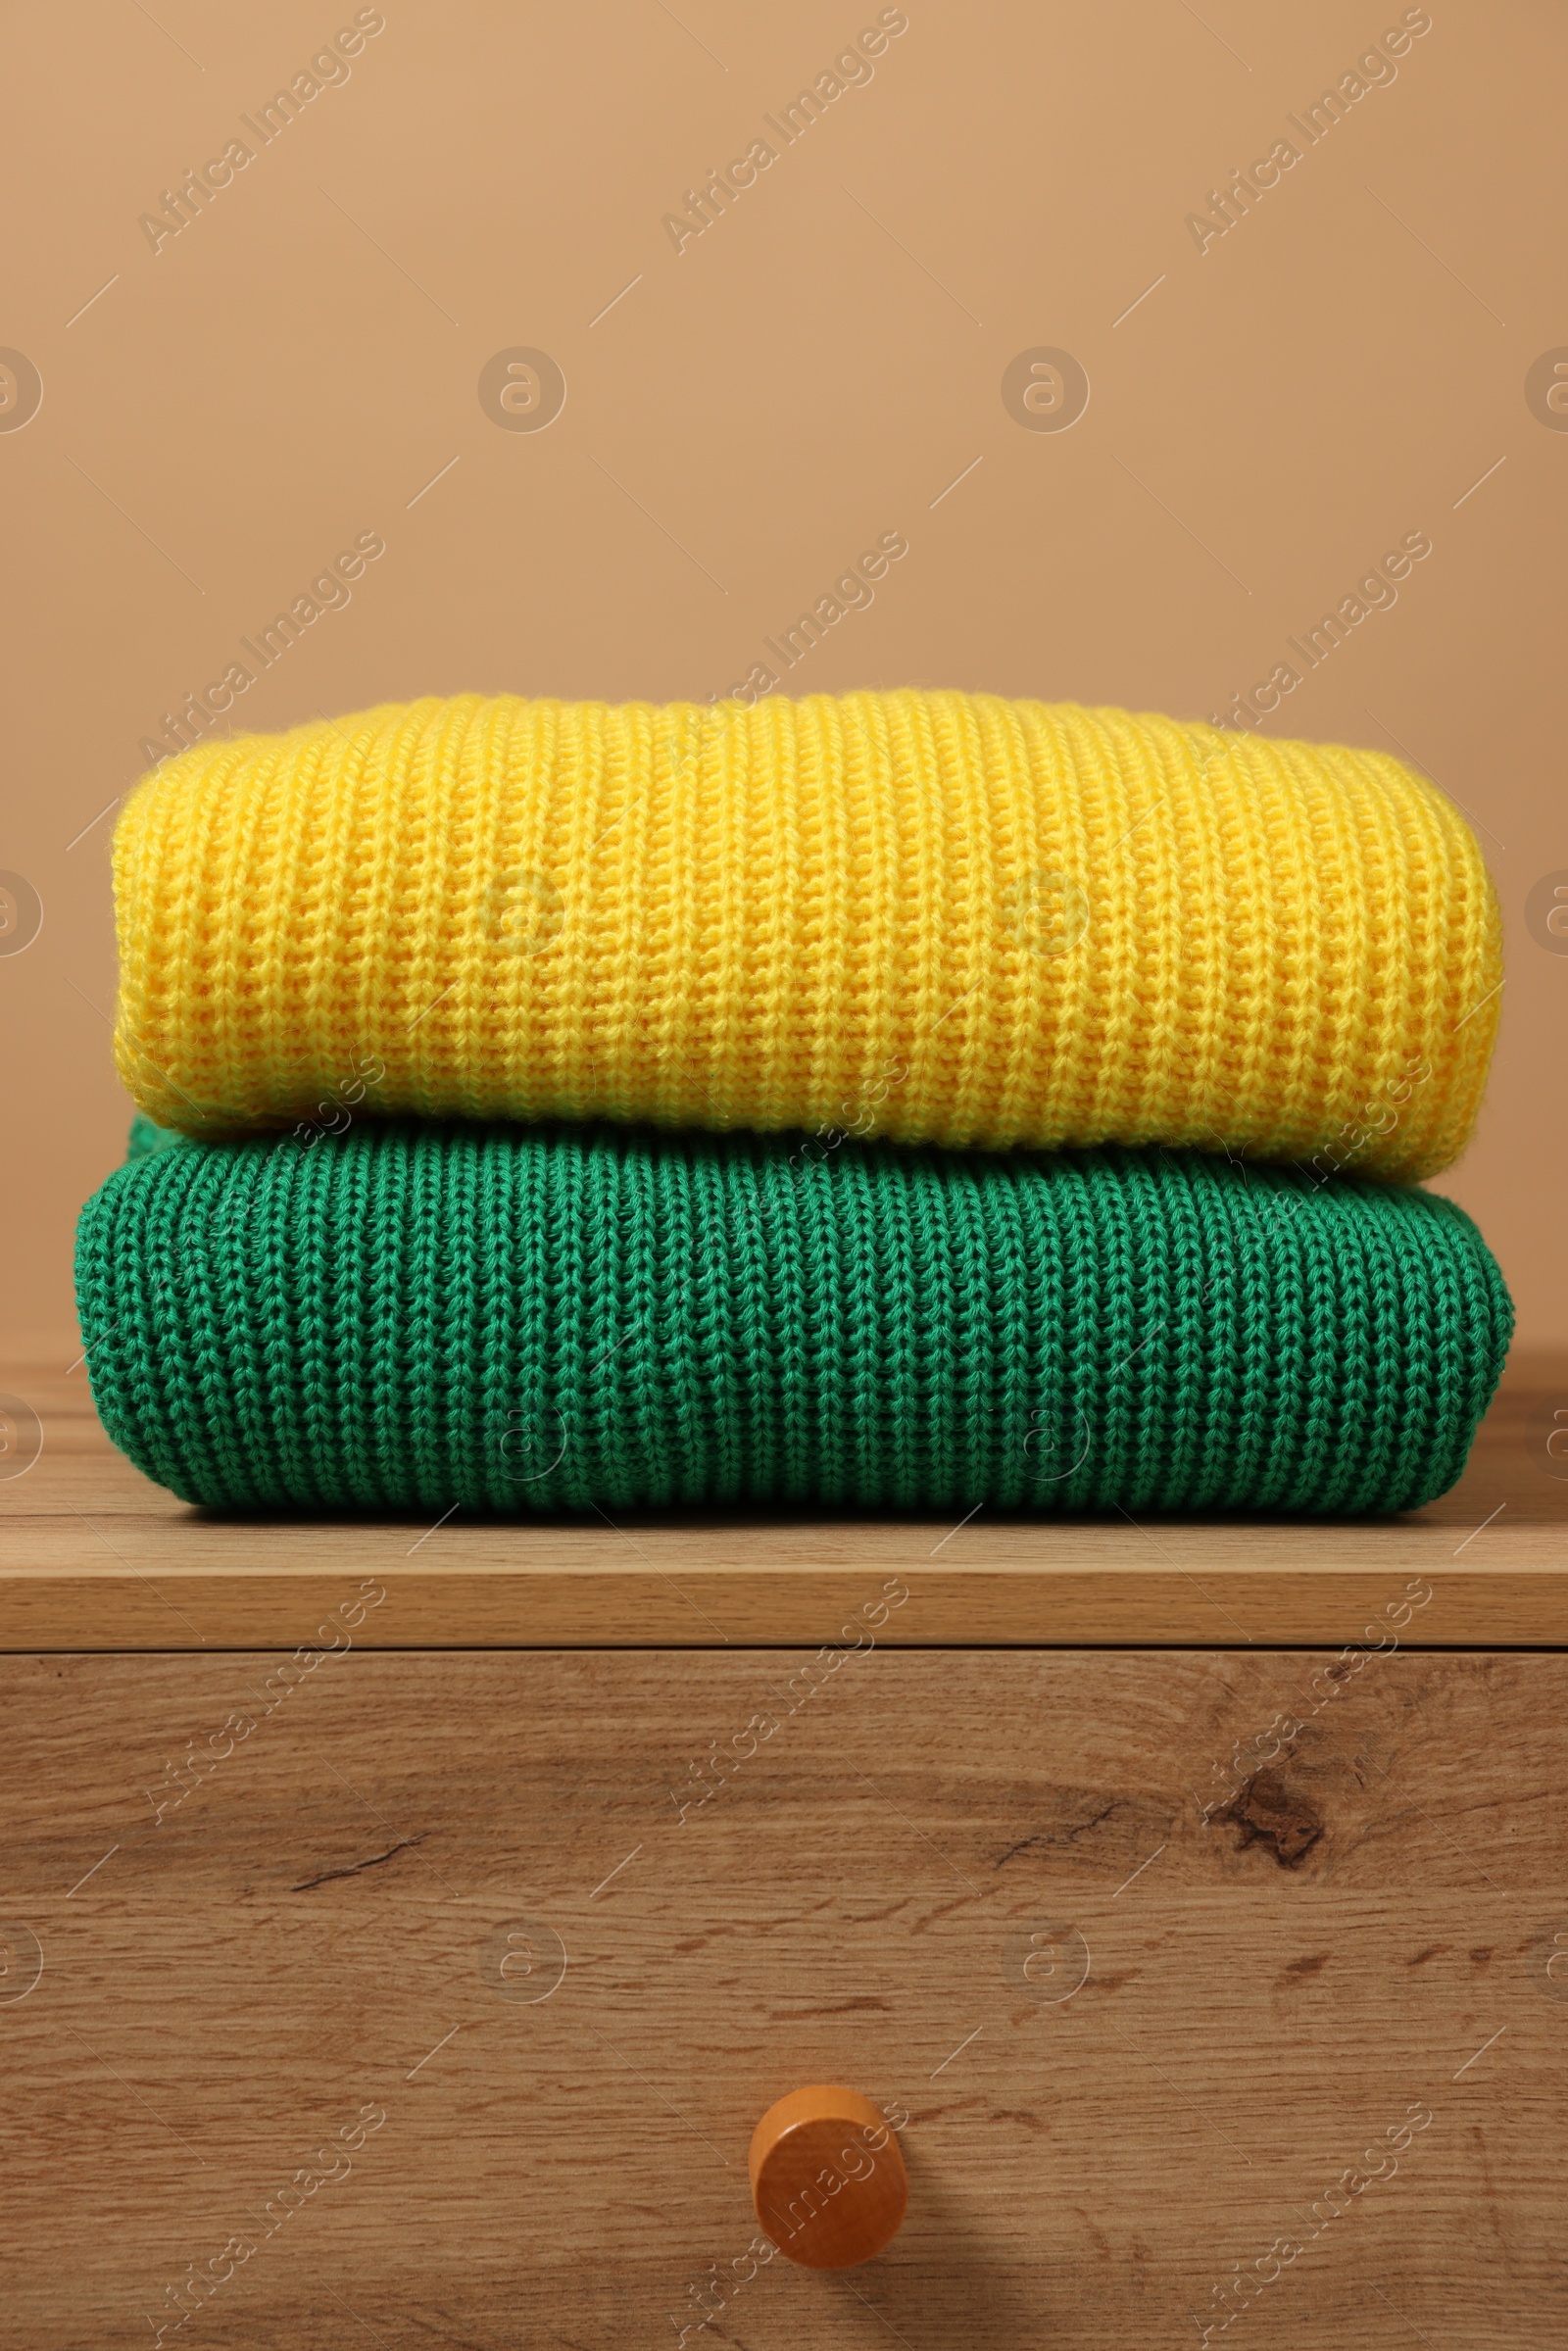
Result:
x=302 y=2031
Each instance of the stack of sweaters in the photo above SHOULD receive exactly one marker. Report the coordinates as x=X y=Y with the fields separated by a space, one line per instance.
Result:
x=900 y=1100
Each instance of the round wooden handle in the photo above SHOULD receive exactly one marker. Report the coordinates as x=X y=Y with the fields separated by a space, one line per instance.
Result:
x=827 y=2178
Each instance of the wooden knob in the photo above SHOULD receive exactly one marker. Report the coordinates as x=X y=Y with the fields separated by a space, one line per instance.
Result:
x=827 y=2178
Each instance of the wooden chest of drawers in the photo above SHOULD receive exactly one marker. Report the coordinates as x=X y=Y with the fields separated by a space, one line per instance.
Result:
x=365 y=1986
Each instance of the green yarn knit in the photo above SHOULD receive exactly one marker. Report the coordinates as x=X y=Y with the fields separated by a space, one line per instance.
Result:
x=146 y=1137
x=526 y=1319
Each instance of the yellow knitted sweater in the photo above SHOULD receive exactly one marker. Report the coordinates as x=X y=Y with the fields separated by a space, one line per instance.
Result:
x=933 y=917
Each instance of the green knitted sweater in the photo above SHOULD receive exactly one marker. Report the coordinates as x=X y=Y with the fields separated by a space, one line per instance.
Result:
x=530 y=1319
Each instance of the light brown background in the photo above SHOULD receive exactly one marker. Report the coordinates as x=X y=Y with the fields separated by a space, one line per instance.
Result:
x=299 y=363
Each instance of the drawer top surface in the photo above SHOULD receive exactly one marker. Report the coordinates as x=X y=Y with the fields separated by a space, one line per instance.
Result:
x=93 y=1557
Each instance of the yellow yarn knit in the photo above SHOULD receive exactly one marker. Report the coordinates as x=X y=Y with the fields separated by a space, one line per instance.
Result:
x=930 y=915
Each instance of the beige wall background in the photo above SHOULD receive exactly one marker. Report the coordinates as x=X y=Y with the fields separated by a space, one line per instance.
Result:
x=193 y=423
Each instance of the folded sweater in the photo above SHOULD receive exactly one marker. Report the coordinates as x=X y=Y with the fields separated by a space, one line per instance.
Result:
x=408 y=1318
x=928 y=916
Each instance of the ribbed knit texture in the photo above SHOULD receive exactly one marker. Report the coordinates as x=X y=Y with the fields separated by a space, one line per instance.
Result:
x=929 y=917
x=519 y=1321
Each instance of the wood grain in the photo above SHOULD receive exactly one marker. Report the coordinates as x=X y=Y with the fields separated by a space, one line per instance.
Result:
x=320 y=1929
x=93 y=1557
